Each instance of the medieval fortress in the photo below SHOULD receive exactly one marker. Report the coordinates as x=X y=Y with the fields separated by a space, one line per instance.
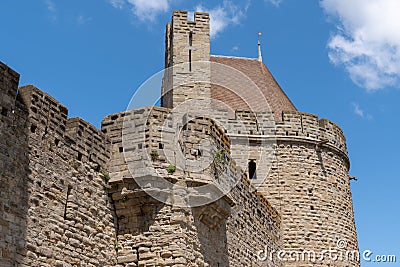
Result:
x=226 y=172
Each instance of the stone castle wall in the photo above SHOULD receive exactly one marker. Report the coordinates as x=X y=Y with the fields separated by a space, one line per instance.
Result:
x=56 y=209
x=226 y=232
x=76 y=196
x=307 y=180
x=187 y=59
x=309 y=184
x=14 y=162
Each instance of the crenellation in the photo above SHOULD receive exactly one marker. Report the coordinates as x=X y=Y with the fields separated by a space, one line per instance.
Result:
x=55 y=185
x=333 y=133
x=46 y=114
x=9 y=80
x=88 y=140
x=187 y=60
x=131 y=194
x=179 y=16
x=213 y=220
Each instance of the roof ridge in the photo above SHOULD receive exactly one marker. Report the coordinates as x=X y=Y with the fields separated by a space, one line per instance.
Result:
x=248 y=58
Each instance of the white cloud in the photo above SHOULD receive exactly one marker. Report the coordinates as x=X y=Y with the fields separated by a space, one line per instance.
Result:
x=149 y=9
x=275 y=2
x=223 y=15
x=367 y=41
x=358 y=111
x=144 y=10
x=235 y=48
x=119 y=4
x=51 y=7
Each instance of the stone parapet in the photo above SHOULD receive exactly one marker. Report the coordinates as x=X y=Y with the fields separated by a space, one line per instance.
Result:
x=56 y=211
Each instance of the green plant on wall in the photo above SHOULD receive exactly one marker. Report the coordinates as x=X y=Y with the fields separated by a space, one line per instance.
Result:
x=106 y=175
x=106 y=186
x=171 y=169
x=220 y=158
x=219 y=162
x=154 y=155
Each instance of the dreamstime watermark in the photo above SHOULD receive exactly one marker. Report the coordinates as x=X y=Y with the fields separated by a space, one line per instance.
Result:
x=340 y=253
x=369 y=256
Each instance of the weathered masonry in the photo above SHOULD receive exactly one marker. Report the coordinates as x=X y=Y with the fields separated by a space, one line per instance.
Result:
x=73 y=195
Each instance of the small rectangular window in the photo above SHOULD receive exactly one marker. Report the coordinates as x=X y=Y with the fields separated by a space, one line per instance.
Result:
x=252 y=169
x=190 y=60
x=191 y=38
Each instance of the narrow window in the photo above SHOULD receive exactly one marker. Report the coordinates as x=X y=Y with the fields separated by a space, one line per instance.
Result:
x=190 y=60
x=252 y=169
x=66 y=202
x=191 y=38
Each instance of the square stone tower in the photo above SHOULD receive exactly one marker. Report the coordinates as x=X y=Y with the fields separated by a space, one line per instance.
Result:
x=187 y=59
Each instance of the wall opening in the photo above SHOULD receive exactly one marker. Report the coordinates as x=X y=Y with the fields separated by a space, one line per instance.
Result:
x=4 y=112
x=191 y=38
x=252 y=169
x=33 y=128
x=66 y=202
x=190 y=60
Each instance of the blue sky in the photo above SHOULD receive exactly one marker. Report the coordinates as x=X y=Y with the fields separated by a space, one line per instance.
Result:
x=339 y=59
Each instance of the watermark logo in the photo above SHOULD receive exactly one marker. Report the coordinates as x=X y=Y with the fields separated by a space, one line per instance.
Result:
x=341 y=244
x=370 y=256
x=340 y=253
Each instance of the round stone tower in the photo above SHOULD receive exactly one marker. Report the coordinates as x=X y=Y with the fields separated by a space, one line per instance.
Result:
x=309 y=185
x=307 y=180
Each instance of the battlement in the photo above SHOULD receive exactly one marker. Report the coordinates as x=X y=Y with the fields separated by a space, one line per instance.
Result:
x=49 y=127
x=144 y=146
x=91 y=144
x=308 y=126
x=51 y=170
x=46 y=114
x=188 y=183
x=187 y=57
x=151 y=130
x=9 y=80
x=188 y=40
x=6 y=69
x=180 y=17
x=294 y=124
